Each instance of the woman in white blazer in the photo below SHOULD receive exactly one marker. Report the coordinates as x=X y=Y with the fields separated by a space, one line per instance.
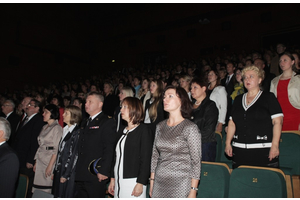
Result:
x=218 y=94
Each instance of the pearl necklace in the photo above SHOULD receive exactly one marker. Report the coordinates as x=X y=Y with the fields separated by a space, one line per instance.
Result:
x=197 y=104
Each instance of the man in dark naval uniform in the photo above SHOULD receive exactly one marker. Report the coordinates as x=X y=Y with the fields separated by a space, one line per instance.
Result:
x=96 y=141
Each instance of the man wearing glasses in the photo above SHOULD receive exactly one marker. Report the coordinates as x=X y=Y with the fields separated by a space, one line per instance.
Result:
x=25 y=143
x=11 y=116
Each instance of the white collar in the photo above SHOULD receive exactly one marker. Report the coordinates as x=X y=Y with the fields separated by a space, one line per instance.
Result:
x=93 y=117
x=9 y=114
x=29 y=118
x=68 y=129
x=244 y=101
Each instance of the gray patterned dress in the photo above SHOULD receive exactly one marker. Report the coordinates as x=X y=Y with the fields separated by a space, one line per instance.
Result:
x=176 y=159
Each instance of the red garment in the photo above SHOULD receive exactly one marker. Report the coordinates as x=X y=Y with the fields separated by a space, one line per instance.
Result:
x=61 y=120
x=291 y=118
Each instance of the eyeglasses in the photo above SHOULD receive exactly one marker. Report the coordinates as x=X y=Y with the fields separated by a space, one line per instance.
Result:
x=5 y=105
x=30 y=105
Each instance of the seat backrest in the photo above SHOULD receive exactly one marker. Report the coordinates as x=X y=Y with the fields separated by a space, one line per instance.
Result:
x=289 y=147
x=257 y=182
x=219 y=146
x=22 y=187
x=214 y=180
x=41 y=194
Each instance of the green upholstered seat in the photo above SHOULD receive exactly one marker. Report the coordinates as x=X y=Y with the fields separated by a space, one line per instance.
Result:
x=147 y=190
x=289 y=157
x=257 y=182
x=214 y=181
x=22 y=187
x=41 y=194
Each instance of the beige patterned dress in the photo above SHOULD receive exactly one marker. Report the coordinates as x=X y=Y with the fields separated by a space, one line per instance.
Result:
x=48 y=140
x=176 y=159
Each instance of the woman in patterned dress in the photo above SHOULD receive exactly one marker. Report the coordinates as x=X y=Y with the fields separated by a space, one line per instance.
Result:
x=176 y=157
x=46 y=154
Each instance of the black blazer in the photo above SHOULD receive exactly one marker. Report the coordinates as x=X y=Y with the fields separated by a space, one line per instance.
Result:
x=14 y=120
x=65 y=165
x=111 y=101
x=266 y=83
x=137 y=154
x=97 y=140
x=206 y=118
x=25 y=143
x=9 y=173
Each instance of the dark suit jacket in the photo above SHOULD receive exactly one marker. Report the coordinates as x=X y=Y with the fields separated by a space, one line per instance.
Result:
x=266 y=83
x=230 y=86
x=14 y=120
x=25 y=143
x=97 y=140
x=111 y=101
x=9 y=171
x=137 y=154
x=206 y=118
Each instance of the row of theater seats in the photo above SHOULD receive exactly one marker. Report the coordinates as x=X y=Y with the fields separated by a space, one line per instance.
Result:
x=289 y=158
x=218 y=180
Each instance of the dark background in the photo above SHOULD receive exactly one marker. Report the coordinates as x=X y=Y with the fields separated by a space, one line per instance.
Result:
x=42 y=43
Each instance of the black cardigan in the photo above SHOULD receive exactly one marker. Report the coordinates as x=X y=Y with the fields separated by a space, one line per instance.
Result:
x=206 y=118
x=137 y=154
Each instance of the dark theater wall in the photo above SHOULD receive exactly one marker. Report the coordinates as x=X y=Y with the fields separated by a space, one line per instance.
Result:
x=42 y=43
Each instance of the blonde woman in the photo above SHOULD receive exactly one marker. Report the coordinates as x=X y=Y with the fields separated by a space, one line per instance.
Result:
x=185 y=83
x=124 y=92
x=255 y=124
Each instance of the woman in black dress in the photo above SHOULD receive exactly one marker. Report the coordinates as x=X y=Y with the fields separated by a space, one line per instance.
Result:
x=255 y=124
x=64 y=170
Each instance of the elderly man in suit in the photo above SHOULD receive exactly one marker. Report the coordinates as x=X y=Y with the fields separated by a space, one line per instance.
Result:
x=8 y=109
x=9 y=163
x=25 y=143
x=96 y=141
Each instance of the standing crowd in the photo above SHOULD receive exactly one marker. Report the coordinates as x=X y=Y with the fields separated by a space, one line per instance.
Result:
x=151 y=125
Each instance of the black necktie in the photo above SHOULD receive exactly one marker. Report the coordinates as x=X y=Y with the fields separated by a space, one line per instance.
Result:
x=227 y=80
x=25 y=121
x=88 y=121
